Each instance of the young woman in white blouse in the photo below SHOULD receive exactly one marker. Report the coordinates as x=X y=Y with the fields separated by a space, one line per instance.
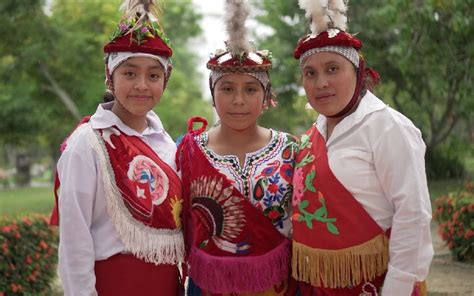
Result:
x=361 y=222
x=120 y=201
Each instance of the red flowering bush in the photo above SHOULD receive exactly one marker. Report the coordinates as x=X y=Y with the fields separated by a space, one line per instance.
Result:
x=455 y=215
x=28 y=255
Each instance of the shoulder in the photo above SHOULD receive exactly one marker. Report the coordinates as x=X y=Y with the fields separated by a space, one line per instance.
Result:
x=287 y=137
x=289 y=142
x=388 y=124
x=80 y=141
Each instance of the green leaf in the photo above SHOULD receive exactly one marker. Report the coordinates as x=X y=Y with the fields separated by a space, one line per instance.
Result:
x=308 y=182
x=321 y=212
x=332 y=228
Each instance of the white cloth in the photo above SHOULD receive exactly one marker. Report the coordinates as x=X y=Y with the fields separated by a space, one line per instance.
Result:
x=378 y=155
x=86 y=231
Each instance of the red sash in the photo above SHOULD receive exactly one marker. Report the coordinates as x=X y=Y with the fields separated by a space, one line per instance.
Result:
x=336 y=243
x=234 y=248
x=143 y=195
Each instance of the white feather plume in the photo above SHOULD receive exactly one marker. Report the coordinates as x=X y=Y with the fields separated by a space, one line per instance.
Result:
x=237 y=12
x=146 y=9
x=316 y=11
x=337 y=13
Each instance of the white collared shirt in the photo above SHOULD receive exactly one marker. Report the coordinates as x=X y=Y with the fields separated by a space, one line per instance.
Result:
x=378 y=155
x=86 y=230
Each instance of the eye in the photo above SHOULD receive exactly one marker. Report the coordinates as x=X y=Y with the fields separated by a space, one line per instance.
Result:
x=309 y=73
x=155 y=76
x=251 y=90
x=333 y=69
x=226 y=89
x=129 y=74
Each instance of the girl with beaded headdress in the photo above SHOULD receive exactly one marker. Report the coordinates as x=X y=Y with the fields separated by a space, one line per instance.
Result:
x=237 y=178
x=361 y=204
x=119 y=204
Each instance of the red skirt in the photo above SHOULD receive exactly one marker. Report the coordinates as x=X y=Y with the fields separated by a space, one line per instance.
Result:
x=124 y=274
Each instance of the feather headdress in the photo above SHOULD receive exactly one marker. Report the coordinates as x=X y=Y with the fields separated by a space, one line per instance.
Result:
x=141 y=12
x=240 y=55
x=139 y=32
x=325 y=14
x=237 y=12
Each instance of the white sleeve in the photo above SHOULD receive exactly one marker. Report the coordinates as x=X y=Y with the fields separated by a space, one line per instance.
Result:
x=78 y=183
x=399 y=163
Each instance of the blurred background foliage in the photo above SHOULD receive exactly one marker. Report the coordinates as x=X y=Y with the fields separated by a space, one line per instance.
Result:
x=424 y=52
x=52 y=72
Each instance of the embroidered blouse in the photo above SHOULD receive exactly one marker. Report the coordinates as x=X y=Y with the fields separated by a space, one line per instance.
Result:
x=264 y=178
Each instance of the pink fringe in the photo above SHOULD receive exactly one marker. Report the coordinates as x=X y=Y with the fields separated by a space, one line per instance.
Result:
x=248 y=274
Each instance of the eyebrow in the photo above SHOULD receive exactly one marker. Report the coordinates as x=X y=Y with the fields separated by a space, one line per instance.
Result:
x=132 y=65
x=325 y=64
x=233 y=82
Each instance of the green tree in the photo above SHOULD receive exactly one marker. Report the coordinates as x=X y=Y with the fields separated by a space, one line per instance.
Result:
x=422 y=49
x=52 y=62
x=288 y=24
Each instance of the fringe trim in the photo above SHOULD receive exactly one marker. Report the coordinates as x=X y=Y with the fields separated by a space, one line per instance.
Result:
x=340 y=268
x=248 y=274
x=158 y=246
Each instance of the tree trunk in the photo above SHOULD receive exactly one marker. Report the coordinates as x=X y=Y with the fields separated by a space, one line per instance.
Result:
x=23 y=165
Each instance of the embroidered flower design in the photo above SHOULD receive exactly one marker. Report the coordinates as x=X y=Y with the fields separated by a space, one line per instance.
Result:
x=176 y=208
x=150 y=179
x=298 y=186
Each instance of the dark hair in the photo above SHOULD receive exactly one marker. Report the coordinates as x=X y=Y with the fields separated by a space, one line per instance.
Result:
x=108 y=97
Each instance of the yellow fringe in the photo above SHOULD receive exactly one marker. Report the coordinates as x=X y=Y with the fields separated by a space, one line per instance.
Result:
x=423 y=288
x=339 y=268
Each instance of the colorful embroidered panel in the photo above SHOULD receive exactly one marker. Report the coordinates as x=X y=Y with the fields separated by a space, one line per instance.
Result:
x=265 y=178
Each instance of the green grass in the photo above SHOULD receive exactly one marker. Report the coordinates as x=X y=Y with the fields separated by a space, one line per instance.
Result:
x=26 y=200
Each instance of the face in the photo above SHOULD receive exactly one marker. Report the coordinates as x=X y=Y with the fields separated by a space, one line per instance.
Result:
x=138 y=85
x=239 y=100
x=329 y=81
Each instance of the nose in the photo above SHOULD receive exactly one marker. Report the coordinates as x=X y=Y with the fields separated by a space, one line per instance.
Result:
x=141 y=83
x=322 y=82
x=238 y=98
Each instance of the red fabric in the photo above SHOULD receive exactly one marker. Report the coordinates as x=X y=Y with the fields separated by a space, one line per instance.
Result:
x=154 y=46
x=236 y=62
x=125 y=275
x=127 y=149
x=323 y=39
x=142 y=209
x=206 y=218
x=353 y=222
x=258 y=231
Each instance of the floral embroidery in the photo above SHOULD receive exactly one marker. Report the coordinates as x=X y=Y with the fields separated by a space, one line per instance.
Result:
x=304 y=183
x=139 y=31
x=265 y=178
x=176 y=208
x=149 y=179
x=298 y=185
x=318 y=215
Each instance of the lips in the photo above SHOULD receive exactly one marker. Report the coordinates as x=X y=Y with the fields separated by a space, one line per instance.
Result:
x=141 y=98
x=238 y=114
x=324 y=96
